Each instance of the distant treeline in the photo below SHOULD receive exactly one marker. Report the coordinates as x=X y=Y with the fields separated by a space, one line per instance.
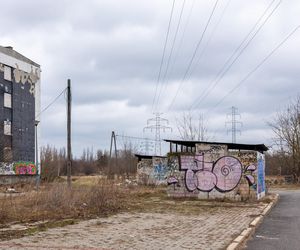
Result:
x=54 y=163
x=279 y=163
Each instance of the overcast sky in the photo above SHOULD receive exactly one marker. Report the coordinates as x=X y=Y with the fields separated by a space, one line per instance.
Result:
x=112 y=50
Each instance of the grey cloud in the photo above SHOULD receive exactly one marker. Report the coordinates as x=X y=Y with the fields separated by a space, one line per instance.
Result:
x=112 y=49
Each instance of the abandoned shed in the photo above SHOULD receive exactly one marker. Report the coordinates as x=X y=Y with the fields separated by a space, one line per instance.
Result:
x=208 y=170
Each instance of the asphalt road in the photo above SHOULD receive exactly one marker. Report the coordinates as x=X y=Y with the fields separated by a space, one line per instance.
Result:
x=281 y=228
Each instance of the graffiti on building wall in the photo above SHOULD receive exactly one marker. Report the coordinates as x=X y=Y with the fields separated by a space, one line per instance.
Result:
x=157 y=171
x=6 y=168
x=246 y=157
x=224 y=174
x=261 y=176
x=211 y=152
x=152 y=171
x=214 y=171
x=173 y=172
x=160 y=169
x=143 y=171
x=17 y=168
x=23 y=77
x=22 y=168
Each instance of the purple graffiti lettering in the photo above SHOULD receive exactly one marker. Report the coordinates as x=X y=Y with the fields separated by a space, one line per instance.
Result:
x=250 y=179
x=229 y=172
x=24 y=168
x=251 y=167
x=191 y=181
x=223 y=175
x=249 y=170
x=173 y=181
x=206 y=180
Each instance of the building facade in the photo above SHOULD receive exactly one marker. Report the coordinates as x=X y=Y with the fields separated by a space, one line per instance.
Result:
x=19 y=113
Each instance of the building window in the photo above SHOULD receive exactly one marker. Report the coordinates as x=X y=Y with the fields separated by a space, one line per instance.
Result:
x=7 y=127
x=7 y=154
x=7 y=100
x=7 y=73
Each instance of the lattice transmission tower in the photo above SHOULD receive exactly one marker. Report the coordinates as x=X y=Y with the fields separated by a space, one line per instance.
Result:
x=147 y=146
x=235 y=123
x=157 y=124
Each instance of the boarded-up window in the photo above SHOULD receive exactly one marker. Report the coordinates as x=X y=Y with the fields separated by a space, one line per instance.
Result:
x=7 y=100
x=7 y=73
x=7 y=154
x=7 y=127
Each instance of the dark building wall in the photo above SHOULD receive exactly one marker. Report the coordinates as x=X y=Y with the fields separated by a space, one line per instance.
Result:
x=22 y=116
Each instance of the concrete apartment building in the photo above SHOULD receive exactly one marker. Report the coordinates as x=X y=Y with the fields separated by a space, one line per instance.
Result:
x=19 y=115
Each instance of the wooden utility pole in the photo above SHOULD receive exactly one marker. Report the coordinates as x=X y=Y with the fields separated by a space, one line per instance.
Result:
x=69 y=149
x=112 y=142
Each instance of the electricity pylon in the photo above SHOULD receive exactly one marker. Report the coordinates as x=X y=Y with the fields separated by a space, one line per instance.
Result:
x=157 y=124
x=235 y=124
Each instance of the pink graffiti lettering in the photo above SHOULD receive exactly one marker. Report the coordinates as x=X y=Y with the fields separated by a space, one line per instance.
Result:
x=223 y=175
x=25 y=168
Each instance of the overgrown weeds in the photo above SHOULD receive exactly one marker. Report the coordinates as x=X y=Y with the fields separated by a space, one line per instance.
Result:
x=56 y=201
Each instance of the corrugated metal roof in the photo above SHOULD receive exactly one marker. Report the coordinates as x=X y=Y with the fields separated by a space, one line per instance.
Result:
x=256 y=147
x=140 y=156
x=11 y=52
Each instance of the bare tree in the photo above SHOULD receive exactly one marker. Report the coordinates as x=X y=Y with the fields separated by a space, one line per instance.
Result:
x=127 y=160
x=286 y=126
x=191 y=128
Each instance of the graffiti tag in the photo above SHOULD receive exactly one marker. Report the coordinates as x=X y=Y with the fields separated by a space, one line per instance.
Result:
x=223 y=175
x=22 y=168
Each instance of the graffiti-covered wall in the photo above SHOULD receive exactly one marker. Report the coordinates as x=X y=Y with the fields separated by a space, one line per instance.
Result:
x=152 y=171
x=261 y=186
x=216 y=172
x=17 y=168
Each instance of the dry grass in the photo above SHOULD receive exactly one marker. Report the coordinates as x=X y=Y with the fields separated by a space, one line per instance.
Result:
x=57 y=201
x=57 y=205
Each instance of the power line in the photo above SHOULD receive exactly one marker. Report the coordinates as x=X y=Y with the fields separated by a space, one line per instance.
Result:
x=171 y=52
x=211 y=36
x=209 y=39
x=194 y=54
x=50 y=104
x=180 y=43
x=237 y=53
x=134 y=137
x=163 y=55
x=257 y=67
